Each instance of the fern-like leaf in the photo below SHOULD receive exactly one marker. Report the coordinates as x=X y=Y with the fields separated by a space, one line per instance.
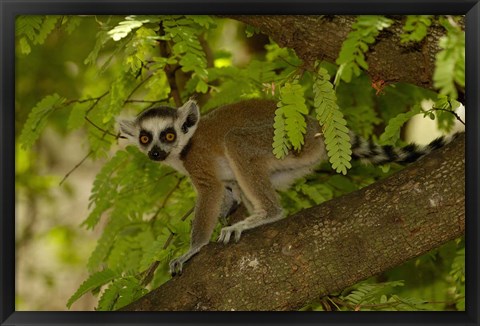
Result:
x=104 y=190
x=352 y=54
x=187 y=49
x=104 y=245
x=93 y=282
x=130 y=290
x=392 y=131
x=415 y=28
x=109 y=298
x=102 y=38
x=363 y=293
x=34 y=29
x=335 y=131
x=37 y=119
x=155 y=251
x=76 y=118
x=290 y=126
x=126 y=26
x=450 y=61
x=280 y=144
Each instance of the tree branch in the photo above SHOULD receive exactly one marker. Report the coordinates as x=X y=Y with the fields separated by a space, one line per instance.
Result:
x=321 y=37
x=321 y=250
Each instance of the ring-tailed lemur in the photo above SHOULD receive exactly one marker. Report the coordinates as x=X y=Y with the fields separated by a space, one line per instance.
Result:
x=228 y=156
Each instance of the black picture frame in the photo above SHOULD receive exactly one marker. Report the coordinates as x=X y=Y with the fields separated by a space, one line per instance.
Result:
x=9 y=9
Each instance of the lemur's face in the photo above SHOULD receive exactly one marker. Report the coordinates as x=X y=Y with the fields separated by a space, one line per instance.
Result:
x=163 y=131
x=156 y=134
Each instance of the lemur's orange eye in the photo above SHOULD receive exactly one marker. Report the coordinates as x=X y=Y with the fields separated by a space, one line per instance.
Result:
x=144 y=139
x=170 y=136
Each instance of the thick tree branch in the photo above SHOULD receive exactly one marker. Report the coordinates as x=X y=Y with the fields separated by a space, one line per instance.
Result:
x=321 y=37
x=324 y=249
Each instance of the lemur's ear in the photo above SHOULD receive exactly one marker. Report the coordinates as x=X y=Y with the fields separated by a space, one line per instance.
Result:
x=127 y=127
x=188 y=116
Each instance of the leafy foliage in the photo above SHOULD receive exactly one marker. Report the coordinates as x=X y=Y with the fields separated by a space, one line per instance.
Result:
x=335 y=131
x=367 y=293
x=33 y=30
x=37 y=119
x=450 y=61
x=93 y=282
x=351 y=58
x=144 y=208
x=290 y=125
x=357 y=100
x=457 y=273
x=120 y=293
x=415 y=28
x=392 y=131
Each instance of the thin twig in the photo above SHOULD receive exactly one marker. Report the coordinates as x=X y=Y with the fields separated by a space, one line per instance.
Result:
x=144 y=184
x=167 y=197
x=81 y=101
x=153 y=267
x=149 y=273
x=96 y=102
x=143 y=101
x=75 y=167
x=105 y=131
x=452 y=112
x=137 y=87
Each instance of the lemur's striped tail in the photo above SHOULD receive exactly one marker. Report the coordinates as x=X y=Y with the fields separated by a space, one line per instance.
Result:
x=369 y=152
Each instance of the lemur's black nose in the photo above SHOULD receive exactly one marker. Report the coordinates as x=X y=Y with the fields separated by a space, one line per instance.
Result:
x=156 y=154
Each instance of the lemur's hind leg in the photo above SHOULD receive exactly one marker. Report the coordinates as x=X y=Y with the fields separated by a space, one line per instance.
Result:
x=231 y=201
x=249 y=164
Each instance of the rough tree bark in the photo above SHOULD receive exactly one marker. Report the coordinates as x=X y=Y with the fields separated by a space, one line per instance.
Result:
x=324 y=249
x=321 y=37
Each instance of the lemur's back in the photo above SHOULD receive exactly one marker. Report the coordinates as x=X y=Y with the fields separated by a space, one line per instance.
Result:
x=250 y=113
x=246 y=114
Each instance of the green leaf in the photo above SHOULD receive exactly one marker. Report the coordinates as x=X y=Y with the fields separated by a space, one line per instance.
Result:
x=365 y=293
x=104 y=190
x=333 y=124
x=28 y=25
x=37 y=119
x=280 y=140
x=352 y=54
x=129 y=290
x=415 y=28
x=392 y=131
x=126 y=27
x=205 y=21
x=102 y=38
x=77 y=115
x=94 y=281
x=104 y=244
x=71 y=23
x=156 y=251
x=33 y=28
x=289 y=124
x=120 y=293
x=24 y=46
x=109 y=298
x=119 y=92
x=450 y=61
x=46 y=28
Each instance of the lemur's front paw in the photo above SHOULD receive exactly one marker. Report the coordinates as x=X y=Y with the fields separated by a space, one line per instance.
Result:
x=226 y=233
x=176 y=266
